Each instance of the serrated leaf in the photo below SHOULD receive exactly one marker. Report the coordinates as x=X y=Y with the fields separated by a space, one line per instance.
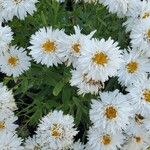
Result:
x=58 y=88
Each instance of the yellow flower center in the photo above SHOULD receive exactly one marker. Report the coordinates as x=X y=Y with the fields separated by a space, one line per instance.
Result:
x=146 y=95
x=106 y=139
x=36 y=148
x=2 y=125
x=132 y=67
x=56 y=131
x=111 y=112
x=12 y=61
x=90 y=81
x=76 y=47
x=49 y=46
x=146 y=15
x=148 y=34
x=139 y=118
x=137 y=139
x=17 y=1
x=100 y=58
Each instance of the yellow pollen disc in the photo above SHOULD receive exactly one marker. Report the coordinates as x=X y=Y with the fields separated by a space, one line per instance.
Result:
x=49 y=46
x=106 y=139
x=36 y=148
x=146 y=15
x=137 y=139
x=2 y=125
x=100 y=58
x=146 y=95
x=139 y=118
x=132 y=67
x=76 y=47
x=17 y=1
x=148 y=34
x=111 y=112
x=12 y=61
x=55 y=131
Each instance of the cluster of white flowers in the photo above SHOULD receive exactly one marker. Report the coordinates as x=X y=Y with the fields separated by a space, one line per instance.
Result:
x=119 y=121
x=56 y=131
x=18 y=8
x=8 y=137
x=14 y=60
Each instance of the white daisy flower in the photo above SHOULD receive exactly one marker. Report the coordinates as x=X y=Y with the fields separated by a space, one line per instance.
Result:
x=138 y=139
x=100 y=59
x=85 y=85
x=111 y=111
x=99 y=139
x=15 y=62
x=47 y=46
x=140 y=36
x=137 y=12
x=32 y=144
x=7 y=121
x=140 y=120
x=78 y=146
x=19 y=8
x=116 y=6
x=135 y=66
x=57 y=131
x=7 y=100
x=140 y=96
x=5 y=38
x=10 y=141
x=3 y=13
x=74 y=45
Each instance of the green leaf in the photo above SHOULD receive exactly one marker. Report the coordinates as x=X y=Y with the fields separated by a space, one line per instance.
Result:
x=58 y=88
x=66 y=94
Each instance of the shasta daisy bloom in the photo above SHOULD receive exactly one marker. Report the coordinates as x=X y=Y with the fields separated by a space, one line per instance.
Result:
x=138 y=11
x=7 y=121
x=56 y=130
x=111 y=111
x=6 y=37
x=140 y=36
x=85 y=85
x=32 y=144
x=100 y=59
x=74 y=45
x=10 y=141
x=134 y=67
x=78 y=146
x=140 y=96
x=116 y=6
x=138 y=139
x=15 y=62
x=19 y=8
x=7 y=100
x=47 y=46
x=140 y=120
x=99 y=139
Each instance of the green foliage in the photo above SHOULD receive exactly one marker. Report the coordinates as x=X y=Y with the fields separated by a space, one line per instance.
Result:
x=43 y=89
